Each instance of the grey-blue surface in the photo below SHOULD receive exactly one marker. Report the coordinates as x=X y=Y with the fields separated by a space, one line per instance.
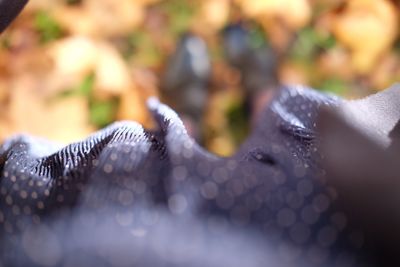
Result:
x=126 y=181
x=129 y=196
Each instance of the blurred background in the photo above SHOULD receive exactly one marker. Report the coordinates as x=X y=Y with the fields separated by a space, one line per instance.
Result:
x=70 y=67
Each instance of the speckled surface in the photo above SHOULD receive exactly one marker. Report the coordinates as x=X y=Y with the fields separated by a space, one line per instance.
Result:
x=127 y=196
x=108 y=186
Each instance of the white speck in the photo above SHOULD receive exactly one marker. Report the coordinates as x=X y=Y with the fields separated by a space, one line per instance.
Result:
x=124 y=219
x=321 y=203
x=177 y=204
x=180 y=173
x=209 y=190
x=139 y=232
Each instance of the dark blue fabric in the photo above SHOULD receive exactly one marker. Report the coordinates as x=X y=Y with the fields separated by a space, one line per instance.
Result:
x=128 y=196
x=9 y=10
x=106 y=189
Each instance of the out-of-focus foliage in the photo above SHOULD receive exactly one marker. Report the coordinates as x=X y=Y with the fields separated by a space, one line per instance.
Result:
x=69 y=67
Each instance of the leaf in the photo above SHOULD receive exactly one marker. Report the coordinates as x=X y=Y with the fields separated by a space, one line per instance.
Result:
x=48 y=27
x=102 y=113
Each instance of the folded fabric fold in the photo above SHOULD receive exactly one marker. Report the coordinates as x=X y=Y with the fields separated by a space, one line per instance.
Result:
x=274 y=187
